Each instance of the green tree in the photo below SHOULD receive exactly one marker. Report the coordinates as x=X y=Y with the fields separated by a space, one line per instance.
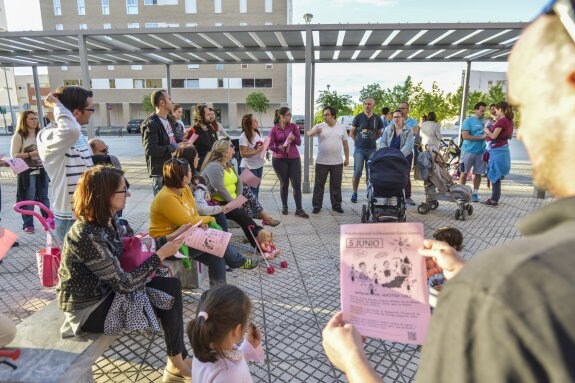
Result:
x=374 y=91
x=258 y=102
x=422 y=102
x=147 y=103
x=341 y=103
x=495 y=94
x=454 y=101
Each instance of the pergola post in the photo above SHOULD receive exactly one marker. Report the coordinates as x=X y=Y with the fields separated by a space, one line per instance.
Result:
x=464 y=100
x=312 y=103
x=308 y=106
x=169 y=78
x=38 y=95
x=85 y=70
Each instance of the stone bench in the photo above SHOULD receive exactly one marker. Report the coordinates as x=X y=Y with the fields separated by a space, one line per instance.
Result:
x=46 y=357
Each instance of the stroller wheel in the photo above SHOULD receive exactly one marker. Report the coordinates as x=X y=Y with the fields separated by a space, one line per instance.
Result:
x=423 y=208
x=270 y=269
x=364 y=214
x=283 y=264
x=433 y=205
x=457 y=214
x=463 y=214
x=469 y=208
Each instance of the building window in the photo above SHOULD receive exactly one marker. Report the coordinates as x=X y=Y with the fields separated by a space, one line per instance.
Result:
x=64 y=67
x=154 y=83
x=268 y=23
x=150 y=2
x=244 y=66
x=243 y=24
x=83 y=26
x=110 y=67
x=138 y=83
x=72 y=82
x=243 y=6
x=57 y=8
x=177 y=83
x=191 y=6
x=247 y=82
x=220 y=83
x=107 y=26
x=269 y=66
x=268 y=8
x=136 y=67
x=132 y=7
x=193 y=83
x=219 y=66
x=191 y=25
x=105 y=7
x=152 y=25
x=193 y=66
x=217 y=6
x=59 y=27
x=133 y=25
x=263 y=82
x=218 y=24
x=81 y=8
x=112 y=83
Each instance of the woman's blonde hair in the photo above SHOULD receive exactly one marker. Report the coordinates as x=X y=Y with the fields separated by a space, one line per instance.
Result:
x=219 y=149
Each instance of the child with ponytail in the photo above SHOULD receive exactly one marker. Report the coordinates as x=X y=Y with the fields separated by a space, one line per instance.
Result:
x=221 y=322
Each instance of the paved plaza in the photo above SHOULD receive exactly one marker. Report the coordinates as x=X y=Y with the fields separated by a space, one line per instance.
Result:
x=292 y=305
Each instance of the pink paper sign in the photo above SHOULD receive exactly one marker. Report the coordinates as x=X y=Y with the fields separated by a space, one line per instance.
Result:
x=18 y=165
x=235 y=203
x=209 y=241
x=193 y=138
x=266 y=144
x=249 y=178
x=7 y=239
x=384 y=289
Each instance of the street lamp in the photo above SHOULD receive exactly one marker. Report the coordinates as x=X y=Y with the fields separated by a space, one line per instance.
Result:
x=328 y=86
x=307 y=18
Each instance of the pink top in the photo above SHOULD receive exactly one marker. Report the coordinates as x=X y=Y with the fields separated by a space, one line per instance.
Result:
x=278 y=137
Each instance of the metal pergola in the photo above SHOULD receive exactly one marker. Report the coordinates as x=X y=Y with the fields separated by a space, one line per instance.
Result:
x=281 y=44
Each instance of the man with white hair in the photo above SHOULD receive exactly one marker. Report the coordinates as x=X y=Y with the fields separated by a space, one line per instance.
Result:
x=508 y=316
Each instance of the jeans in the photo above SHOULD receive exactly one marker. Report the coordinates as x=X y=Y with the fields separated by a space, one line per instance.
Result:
x=172 y=320
x=360 y=158
x=157 y=183
x=408 y=186
x=335 y=176
x=216 y=265
x=289 y=170
x=62 y=228
x=496 y=190
x=222 y=221
x=37 y=191
x=258 y=173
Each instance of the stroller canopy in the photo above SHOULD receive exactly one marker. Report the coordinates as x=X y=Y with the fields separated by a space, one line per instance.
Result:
x=388 y=170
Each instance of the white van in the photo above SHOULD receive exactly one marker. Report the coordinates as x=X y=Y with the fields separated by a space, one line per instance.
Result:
x=345 y=121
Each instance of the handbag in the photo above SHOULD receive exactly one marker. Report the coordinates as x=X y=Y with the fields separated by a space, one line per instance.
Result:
x=31 y=161
x=132 y=254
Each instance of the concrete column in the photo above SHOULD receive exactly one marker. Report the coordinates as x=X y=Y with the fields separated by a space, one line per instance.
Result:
x=233 y=115
x=104 y=114
x=85 y=73
x=38 y=95
x=464 y=100
x=126 y=112
x=306 y=188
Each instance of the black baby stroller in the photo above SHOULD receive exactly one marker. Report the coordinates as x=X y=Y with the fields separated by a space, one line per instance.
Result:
x=387 y=176
x=439 y=185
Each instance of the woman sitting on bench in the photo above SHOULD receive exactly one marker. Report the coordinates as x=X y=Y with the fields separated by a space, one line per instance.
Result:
x=91 y=275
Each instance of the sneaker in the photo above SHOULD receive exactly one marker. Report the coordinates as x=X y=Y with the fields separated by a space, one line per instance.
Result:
x=409 y=201
x=270 y=222
x=354 y=197
x=338 y=210
x=285 y=210
x=249 y=264
x=316 y=210
x=301 y=213
x=490 y=202
x=29 y=229
x=475 y=197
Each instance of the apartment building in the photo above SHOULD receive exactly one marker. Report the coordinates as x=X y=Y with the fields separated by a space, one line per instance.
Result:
x=119 y=90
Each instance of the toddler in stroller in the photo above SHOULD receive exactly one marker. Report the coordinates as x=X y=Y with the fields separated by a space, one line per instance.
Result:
x=387 y=176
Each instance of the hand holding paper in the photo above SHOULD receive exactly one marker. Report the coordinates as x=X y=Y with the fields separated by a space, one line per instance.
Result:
x=192 y=139
x=265 y=145
x=235 y=203
x=18 y=165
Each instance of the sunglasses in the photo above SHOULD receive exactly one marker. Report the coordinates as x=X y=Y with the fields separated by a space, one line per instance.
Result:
x=89 y=109
x=564 y=9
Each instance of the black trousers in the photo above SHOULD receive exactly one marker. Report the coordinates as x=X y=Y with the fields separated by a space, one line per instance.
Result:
x=289 y=170
x=172 y=320
x=335 y=173
x=241 y=217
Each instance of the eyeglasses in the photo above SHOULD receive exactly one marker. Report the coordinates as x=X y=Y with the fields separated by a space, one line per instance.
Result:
x=326 y=114
x=397 y=117
x=180 y=161
x=564 y=10
x=89 y=109
x=124 y=190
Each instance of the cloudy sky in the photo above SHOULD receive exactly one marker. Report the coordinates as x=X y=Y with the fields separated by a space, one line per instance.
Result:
x=350 y=78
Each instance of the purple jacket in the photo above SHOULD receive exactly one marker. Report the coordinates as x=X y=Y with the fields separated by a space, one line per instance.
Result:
x=277 y=138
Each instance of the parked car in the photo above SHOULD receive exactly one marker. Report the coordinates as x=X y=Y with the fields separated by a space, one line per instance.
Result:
x=134 y=126
x=299 y=120
x=345 y=121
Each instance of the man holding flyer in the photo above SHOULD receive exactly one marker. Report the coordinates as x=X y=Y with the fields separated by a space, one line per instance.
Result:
x=508 y=316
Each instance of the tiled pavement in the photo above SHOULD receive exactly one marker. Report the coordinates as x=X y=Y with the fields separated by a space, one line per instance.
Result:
x=292 y=305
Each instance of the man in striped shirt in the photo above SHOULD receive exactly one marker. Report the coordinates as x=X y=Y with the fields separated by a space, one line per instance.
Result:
x=64 y=151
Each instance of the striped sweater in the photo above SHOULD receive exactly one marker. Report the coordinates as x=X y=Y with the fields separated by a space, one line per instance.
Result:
x=90 y=267
x=66 y=155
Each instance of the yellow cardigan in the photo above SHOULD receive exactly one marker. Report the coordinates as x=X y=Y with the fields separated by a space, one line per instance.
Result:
x=170 y=211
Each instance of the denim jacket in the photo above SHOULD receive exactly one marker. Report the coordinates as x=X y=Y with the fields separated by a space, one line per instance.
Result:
x=406 y=139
